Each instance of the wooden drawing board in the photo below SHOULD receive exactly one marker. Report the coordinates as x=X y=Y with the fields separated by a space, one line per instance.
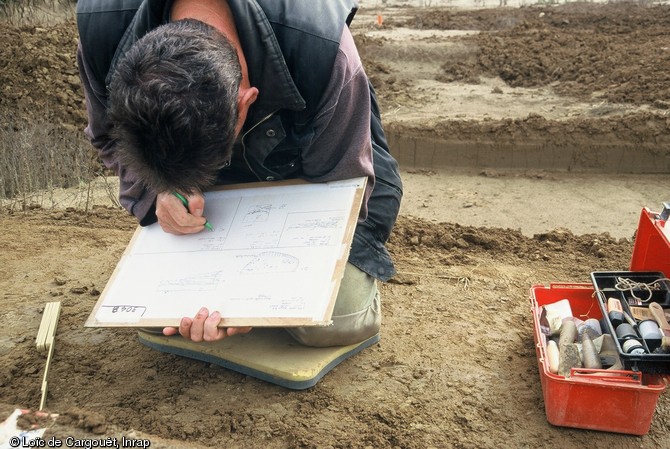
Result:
x=275 y=258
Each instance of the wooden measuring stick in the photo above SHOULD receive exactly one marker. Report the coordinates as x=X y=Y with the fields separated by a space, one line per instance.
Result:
x=46 y=336
x=43 y=399
x=47 y=326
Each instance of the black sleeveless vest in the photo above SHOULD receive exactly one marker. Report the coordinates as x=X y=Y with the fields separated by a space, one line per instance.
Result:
x=303 y=30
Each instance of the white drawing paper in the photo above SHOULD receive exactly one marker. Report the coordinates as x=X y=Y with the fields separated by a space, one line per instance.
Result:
x=272 y=255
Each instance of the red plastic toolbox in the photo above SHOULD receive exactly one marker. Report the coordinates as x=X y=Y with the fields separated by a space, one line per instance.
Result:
x=651 y=251
x=606 y=400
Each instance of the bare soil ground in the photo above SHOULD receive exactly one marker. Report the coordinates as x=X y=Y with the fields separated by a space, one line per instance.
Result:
x=456 y=365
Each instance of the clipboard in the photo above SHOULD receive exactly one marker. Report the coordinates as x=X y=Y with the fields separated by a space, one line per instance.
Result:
x=275 y=257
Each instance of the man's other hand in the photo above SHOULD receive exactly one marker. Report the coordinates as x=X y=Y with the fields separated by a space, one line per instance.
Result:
x=204 y=327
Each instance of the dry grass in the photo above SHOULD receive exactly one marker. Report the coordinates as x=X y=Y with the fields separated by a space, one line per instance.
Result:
x=41 y=157
x=45 y=164
x=35 y=11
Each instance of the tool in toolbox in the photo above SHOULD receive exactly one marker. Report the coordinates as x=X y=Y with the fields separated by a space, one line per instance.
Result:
x=658 y=314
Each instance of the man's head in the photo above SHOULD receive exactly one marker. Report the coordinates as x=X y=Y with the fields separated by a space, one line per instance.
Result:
x=173 y=103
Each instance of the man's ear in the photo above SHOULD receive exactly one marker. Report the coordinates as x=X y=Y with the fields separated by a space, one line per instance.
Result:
x=245 y=98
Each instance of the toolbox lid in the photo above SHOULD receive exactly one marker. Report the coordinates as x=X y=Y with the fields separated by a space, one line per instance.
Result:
x=651 y=251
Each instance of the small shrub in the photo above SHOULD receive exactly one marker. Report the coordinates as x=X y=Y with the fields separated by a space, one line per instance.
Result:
x=42 y=156
x=22 y=11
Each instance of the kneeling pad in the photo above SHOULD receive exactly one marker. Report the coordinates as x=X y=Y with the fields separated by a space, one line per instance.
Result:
x=269 y=354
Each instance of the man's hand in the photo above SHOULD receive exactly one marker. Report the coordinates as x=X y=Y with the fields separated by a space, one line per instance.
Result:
x=174 y=218
x=204 y=327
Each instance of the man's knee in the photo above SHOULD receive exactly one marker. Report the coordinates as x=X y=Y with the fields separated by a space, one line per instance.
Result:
x=345 y=330
x=356 y=314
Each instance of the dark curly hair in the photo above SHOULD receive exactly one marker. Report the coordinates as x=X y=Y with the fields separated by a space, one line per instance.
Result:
x=173 y=106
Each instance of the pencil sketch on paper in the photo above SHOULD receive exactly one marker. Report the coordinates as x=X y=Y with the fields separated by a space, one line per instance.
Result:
x=269 y=262
x=273 y=304
x=312 y=229
x=199 y=283
x=318 y=223
x=288 y=305
x=212 y=243
x=257 y=213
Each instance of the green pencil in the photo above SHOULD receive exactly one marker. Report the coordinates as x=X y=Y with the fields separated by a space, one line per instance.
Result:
x=184 y=201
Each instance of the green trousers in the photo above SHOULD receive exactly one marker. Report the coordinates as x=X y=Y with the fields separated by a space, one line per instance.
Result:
x=356 y=316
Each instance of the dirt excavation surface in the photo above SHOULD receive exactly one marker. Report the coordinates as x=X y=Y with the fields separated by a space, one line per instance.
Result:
x=456 y=364
x=537 y=88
